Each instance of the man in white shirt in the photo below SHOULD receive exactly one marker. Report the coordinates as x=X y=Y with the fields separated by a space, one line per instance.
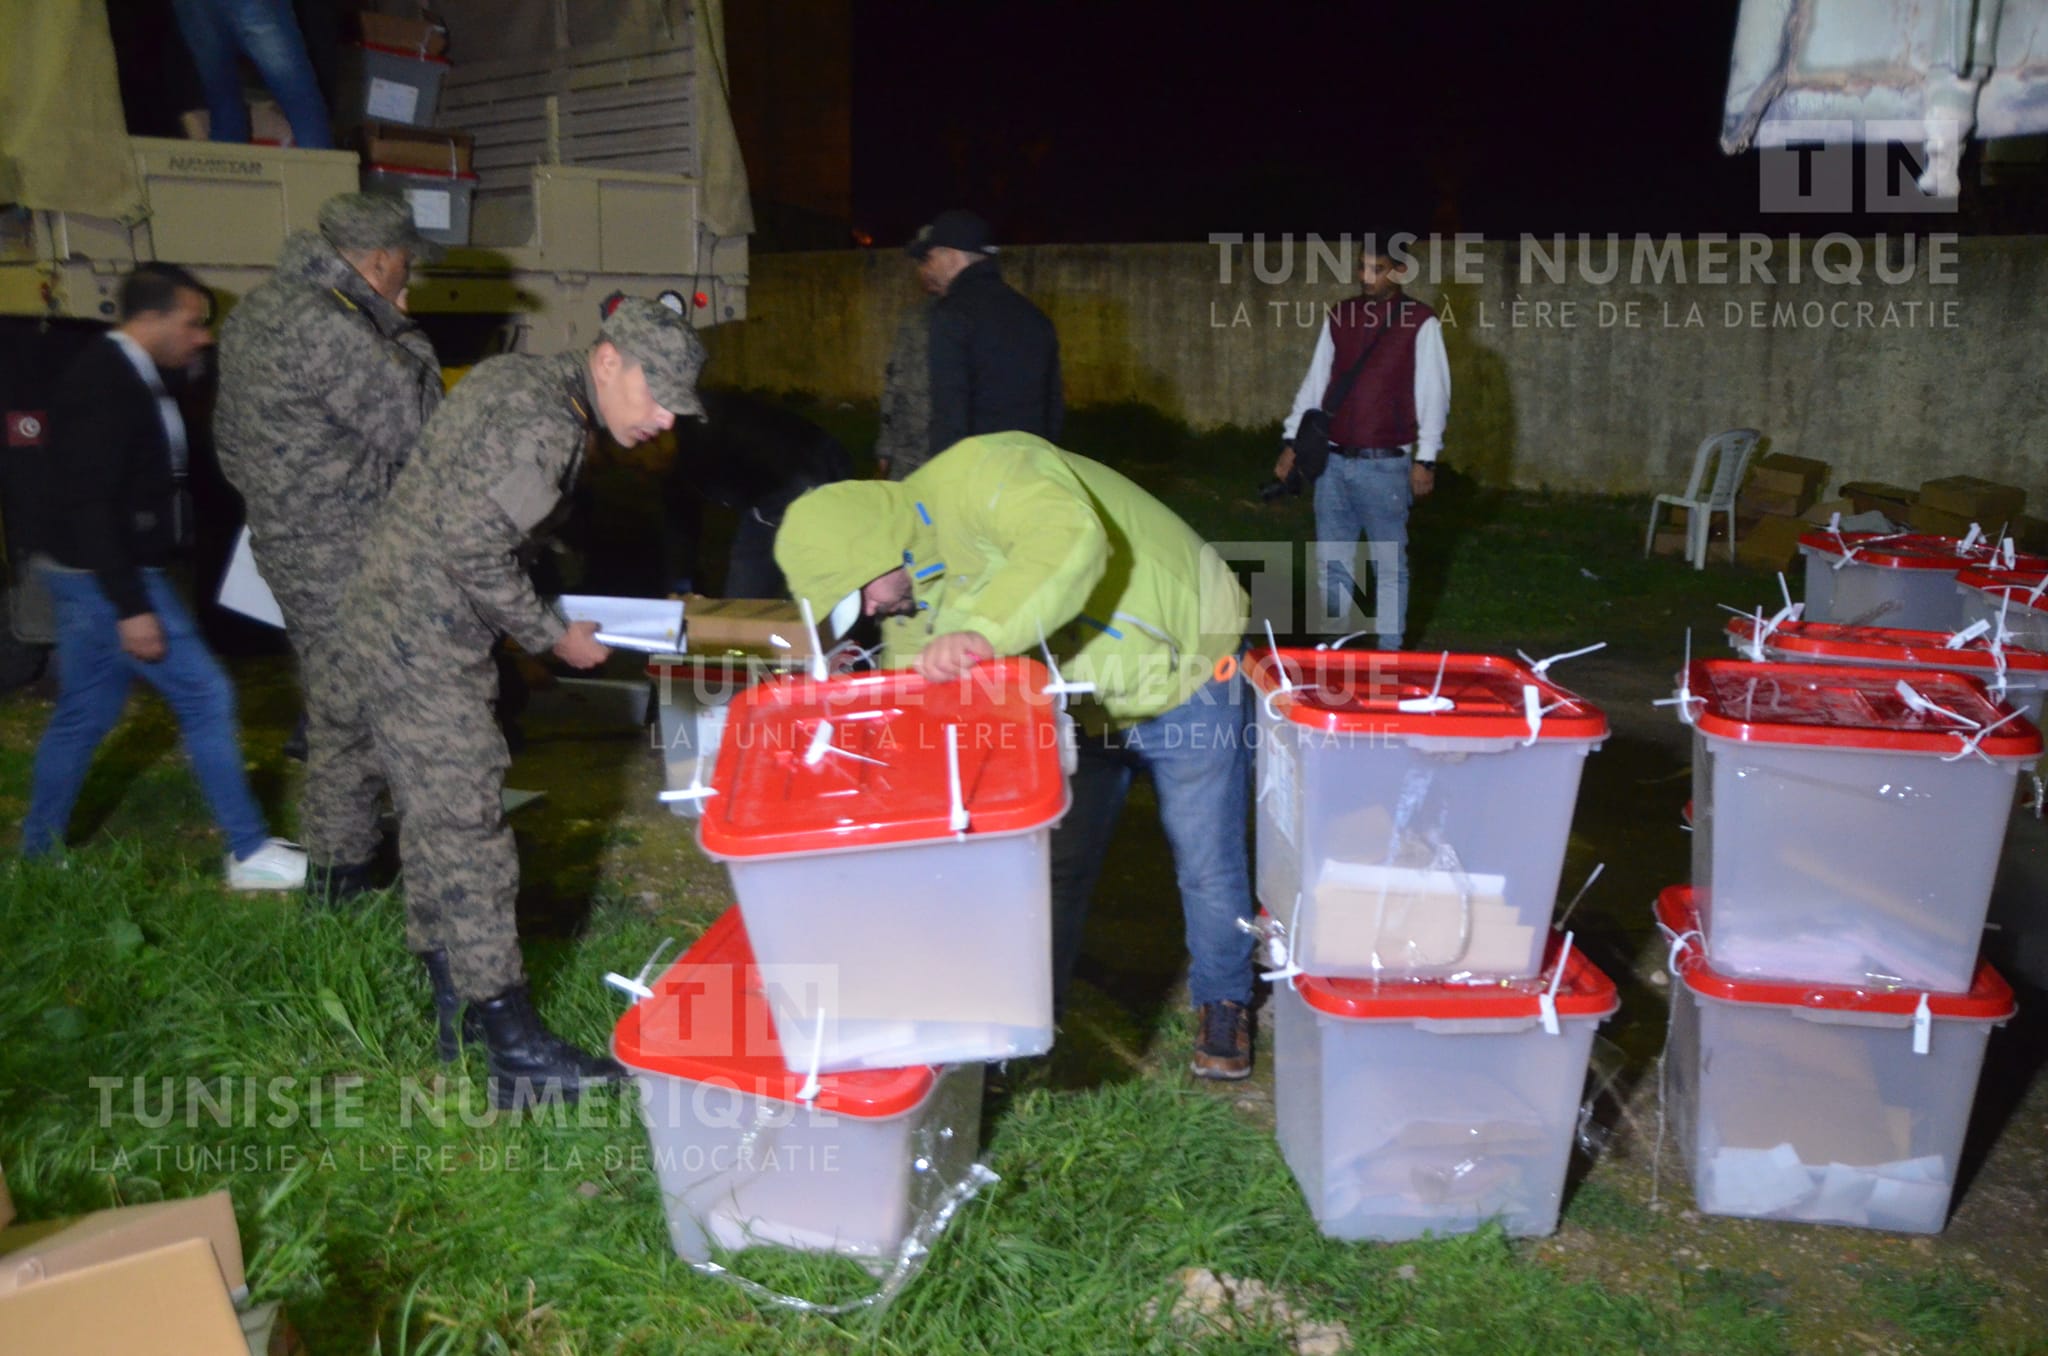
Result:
x=1385 y=436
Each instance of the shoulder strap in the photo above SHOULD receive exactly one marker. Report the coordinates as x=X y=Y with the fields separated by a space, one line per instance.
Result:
x=1335 y=396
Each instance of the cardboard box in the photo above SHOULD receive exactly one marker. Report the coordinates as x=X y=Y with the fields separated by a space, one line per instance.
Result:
x=415 y=148
x=1826 y=509
x=713 y=625
x=1764 y=503
x=1800 y=479
x=1924 y=518
x=1671 y=528
x=35 y=1254
x=2029 y=534
x=1772 y=543
x=417 y=36
x=1975 y=500
x=1875 y=496
x=164 y=1301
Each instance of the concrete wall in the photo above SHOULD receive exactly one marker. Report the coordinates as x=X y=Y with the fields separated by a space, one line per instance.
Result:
x=1574 y=384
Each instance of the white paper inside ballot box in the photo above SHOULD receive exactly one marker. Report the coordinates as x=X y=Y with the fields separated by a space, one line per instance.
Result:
x=1398 y=916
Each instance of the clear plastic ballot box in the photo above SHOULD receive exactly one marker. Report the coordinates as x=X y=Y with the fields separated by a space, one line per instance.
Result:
x=889 y=841
x=744 y=1159
x=1407 y=1107
x=1847 y=822
x=1413 y=808
x=2019 y=676
x=1827 y=1104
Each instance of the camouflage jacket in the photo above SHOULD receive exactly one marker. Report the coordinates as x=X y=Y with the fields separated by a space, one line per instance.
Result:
x=324 y=388
x=441 y=577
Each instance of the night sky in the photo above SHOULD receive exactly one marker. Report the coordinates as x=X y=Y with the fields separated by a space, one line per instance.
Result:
x=1122 y=122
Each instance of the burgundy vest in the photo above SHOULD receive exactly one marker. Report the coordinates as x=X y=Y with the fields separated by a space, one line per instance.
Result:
x=1380 y=411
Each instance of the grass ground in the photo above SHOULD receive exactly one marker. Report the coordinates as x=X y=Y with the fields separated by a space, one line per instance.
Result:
x=390 y=1213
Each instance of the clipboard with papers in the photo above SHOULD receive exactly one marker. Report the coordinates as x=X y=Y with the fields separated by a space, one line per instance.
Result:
x=649 y=625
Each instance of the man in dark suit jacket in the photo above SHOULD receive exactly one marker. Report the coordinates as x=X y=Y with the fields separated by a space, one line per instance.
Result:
x=994 y=357
x=114 y=511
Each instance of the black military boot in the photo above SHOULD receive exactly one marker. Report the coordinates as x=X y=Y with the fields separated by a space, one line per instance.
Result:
x=530 y=1064
x=447 y=1008
x=335 y=885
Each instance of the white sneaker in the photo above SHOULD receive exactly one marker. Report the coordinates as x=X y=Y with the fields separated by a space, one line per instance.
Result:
x=277 y=865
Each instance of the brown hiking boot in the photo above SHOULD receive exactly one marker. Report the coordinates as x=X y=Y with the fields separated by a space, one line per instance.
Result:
x=1223 y=1041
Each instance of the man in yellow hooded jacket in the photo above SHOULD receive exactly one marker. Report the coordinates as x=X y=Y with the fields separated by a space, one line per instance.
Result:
x=1004 y=542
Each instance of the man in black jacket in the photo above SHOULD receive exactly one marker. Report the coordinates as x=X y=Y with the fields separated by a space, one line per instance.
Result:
x=995 y=360
x=114 y=512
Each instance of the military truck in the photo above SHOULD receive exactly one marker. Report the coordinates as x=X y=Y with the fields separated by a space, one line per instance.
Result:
x=604 y=159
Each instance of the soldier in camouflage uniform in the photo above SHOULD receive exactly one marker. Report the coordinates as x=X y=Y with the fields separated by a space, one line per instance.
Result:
x=325 y=385
x=440 y=582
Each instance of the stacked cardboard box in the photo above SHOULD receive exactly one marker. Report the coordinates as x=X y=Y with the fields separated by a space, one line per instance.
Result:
x=1948 y=506
x=1771 y=511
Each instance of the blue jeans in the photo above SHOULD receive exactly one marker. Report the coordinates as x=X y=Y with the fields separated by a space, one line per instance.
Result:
x=217 y=32
x=1197 y=755
x=1359 y=498
x=93 y=676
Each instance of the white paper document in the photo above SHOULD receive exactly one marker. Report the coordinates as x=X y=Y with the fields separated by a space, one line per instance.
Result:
x=433 y=209
x=392 y=100
x=651 y=625
x=242 y=588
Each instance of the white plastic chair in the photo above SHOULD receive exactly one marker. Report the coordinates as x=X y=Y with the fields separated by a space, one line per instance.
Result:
x=1728 y=453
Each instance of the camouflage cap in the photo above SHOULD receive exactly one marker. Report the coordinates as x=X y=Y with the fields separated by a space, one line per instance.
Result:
x=668 y=350
x=374 y=221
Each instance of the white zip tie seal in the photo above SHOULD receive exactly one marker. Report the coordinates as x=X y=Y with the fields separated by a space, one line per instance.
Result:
x=1923 y=1027
x=1546 y=1003
x=957 y=820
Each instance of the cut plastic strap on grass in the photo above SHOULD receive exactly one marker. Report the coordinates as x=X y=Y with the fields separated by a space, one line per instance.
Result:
x=911 y=1256
x=1546 y=1003
x=1923 y=1027
x=957 y=820
x=2040 y=800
